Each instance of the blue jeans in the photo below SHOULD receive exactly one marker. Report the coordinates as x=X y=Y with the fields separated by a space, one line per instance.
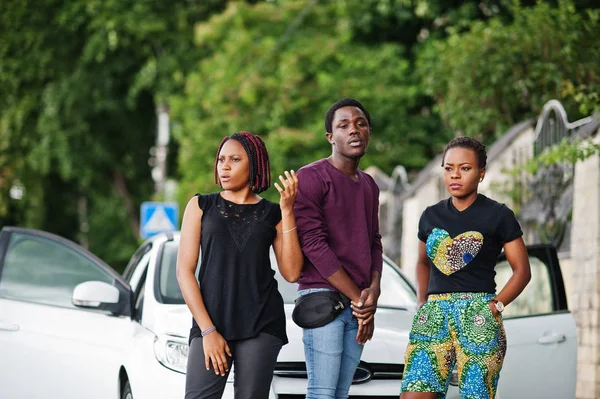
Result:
x=332 y=355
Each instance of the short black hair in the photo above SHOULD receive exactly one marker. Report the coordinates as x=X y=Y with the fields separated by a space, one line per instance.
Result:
x=470 y=143
x=344 y=102
x=258 y=157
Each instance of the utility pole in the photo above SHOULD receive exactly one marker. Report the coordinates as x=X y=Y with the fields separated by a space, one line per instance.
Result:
x=158 y=161
x=160 y=214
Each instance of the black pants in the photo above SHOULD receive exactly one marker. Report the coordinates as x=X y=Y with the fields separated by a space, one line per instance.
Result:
x=254 y=360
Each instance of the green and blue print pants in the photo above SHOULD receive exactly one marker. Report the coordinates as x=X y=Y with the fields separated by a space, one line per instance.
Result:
x=455 y=329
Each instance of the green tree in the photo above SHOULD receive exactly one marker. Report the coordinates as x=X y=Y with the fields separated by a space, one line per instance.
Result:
x=79 y=83
x=275 y=68
x=499 y=73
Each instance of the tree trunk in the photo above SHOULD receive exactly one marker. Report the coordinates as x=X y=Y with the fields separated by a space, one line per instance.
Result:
x=121 y=186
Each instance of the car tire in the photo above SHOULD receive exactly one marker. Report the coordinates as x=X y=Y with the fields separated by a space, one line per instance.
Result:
x=126 y=391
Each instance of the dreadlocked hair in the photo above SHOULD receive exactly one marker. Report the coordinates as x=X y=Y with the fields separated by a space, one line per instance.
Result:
x=258 y=159
x=470 y=143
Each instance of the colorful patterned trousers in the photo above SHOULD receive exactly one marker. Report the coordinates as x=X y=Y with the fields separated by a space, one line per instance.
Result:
x=455 y=328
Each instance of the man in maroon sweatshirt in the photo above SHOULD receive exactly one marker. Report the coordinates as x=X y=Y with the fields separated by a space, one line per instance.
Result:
x=337 y=217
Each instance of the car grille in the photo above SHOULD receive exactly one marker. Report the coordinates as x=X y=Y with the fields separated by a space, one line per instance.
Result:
x=364 y=372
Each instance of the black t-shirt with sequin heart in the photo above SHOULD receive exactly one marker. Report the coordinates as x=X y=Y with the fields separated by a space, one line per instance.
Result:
x=236 y=279
x=463 y=246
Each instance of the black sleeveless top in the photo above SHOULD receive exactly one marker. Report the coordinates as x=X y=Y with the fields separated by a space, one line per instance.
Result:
x=236 y=280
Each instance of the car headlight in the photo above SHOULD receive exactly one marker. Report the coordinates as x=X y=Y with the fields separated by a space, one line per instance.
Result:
x=171 y=352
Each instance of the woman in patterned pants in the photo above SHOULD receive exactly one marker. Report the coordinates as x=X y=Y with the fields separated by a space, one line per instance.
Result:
x=459 y=321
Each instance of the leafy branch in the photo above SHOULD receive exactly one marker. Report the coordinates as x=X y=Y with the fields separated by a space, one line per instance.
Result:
x=566 y=151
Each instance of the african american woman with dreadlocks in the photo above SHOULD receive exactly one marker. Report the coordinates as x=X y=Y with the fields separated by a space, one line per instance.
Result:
x=238 y=314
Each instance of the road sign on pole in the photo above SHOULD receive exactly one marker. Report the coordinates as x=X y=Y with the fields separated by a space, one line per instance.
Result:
x=158 y=217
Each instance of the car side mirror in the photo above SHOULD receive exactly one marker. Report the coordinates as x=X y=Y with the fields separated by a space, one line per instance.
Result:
x=96 y=295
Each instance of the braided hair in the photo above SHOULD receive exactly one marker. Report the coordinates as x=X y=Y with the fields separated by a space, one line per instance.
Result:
x=258 y=157
x=470 y=143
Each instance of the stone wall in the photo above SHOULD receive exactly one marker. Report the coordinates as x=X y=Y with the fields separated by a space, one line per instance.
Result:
x=497 y=177
x=585 y=257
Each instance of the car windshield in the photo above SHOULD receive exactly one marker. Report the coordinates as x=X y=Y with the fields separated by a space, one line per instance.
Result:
x=396 y=292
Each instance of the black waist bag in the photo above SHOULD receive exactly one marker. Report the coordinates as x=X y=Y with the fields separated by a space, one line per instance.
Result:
x=318 y=308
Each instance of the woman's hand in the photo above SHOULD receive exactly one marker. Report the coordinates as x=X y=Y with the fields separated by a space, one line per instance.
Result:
x=493 y=308
x=215 y=349
x=289 y=191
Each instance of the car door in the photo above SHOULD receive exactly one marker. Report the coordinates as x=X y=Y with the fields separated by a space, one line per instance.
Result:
x=50 y=348
x=541 y=359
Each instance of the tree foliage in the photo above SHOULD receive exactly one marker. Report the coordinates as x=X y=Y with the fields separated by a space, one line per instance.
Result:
x=567 y=151
x=499 y=73
x=79 y=82
x=275 y=68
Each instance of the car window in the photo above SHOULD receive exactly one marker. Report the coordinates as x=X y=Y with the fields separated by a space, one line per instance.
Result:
x=138 y=304
x=37 y=269
x=536 y=298
x=168 y=287
x=396 y=292
x=132 y=266
x=137 y=271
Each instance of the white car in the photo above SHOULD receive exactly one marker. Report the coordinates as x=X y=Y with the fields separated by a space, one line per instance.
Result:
x=70 y=327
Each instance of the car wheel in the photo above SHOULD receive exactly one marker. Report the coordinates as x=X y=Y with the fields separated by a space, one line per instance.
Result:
x=126 y=392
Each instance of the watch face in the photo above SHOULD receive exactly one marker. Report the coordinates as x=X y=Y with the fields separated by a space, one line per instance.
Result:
x=499 y=306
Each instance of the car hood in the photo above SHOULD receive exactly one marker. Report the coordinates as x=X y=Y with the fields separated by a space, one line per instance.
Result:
x=392 y=327
x=174 y=320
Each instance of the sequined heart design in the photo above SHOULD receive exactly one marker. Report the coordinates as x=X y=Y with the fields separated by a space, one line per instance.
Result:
x=449 y=254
